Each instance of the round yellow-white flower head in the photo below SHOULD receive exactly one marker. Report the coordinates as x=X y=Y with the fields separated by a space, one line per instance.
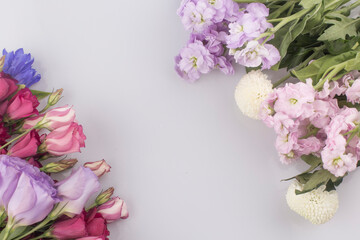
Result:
x=317 y=206
x=251 y=91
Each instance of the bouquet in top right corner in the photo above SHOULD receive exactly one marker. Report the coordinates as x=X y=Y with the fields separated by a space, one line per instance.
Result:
x=316 y=117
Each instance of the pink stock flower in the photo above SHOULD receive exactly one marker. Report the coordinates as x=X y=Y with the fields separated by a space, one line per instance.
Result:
x=114 y=209
x=283 y=124
x=324 y=110
x=7 y=86
x=286 y=143
x=22 y=105
x=337 y=162
x=55 y=118
x=308 y=146
x=295 y=100
x=26 y=146
x=98 y=167
x=65 y=140
x=353 y=93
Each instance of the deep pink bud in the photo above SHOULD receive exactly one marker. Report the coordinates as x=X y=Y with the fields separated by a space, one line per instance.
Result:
x=114 y=209
x=70 y=228
x=22 y=105
x=26 y=146
x=98 y=167
x=96 y=225
x=64 y=140
x=7 y=86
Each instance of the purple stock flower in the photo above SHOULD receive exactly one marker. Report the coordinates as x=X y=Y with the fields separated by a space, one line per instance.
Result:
x=27 y=194
x=19 y=66
x=76 y=190
x=249 y=25
x=255 y=54
x=198 y=16
x=193 y=60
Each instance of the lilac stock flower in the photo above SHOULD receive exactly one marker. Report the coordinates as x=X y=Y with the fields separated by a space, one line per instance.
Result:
x=19 y=66
x=249 y=24
x=198 y=16
x=255 y=54
x=193 y=60
x=75 y=190
x=27 y=194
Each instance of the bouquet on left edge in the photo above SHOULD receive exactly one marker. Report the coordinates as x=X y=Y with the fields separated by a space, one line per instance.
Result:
x=32 y=204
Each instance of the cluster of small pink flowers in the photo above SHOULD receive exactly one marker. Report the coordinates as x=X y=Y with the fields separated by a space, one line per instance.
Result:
x=223 y=31
x=316 y=122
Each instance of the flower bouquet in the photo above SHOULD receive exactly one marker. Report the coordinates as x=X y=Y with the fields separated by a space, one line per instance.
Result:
x=315 y=115
x=34 y=143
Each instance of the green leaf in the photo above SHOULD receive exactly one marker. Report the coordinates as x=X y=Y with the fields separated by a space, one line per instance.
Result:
x=311 y=160
x=342 y=26
x=40 y=94
x=309 y=3
x=317 y=68
x=341 y=45
x=317 y=179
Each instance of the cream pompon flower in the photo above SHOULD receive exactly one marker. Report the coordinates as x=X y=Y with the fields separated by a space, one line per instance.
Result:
x=317 y=206
x=251 y=91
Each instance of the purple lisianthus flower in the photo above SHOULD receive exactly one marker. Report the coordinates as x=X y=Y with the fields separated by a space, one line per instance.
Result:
x=255 y=54
x=75 y=190
x=193 y=60
x=198 y=16
x=27 y=194
x=19 y=66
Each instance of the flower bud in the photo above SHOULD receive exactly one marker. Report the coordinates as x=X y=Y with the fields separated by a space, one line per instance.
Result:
x=104 y=196
x=114 y=209
x=26 y=146
x=62 y=165
x=98 y=167
x=55 y=97
x=70 y=228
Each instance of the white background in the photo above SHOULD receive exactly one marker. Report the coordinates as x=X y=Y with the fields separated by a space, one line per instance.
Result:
x=186 y=161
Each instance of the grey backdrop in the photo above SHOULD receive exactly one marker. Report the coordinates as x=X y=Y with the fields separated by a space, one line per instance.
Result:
x=186 y=161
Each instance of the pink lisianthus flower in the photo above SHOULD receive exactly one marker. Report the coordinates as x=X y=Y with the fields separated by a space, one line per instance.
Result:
x=26 y=146
x=64 y=140
x=22 y=105
x=114 y=209
x=98 y=167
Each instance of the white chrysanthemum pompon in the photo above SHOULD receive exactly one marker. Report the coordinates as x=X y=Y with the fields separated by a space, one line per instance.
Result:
x=317 y=206
x=251 y=91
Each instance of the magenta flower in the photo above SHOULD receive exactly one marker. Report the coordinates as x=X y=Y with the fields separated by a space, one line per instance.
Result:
x=75 y=190
x=27 y=194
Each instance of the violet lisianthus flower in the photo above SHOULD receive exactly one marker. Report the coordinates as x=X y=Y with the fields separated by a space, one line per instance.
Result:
x=19 y=66
x=193 y=60
x=75 y=190
x=27 y=194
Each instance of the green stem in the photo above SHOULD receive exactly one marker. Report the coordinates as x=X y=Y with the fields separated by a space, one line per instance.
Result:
x=329 y=74
x=352 y=135
x=348 y=8
x=278 y=83
x=282 y=9
x=18 y=137
x=306 y=62
x=5 y=233
x=34 y=229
